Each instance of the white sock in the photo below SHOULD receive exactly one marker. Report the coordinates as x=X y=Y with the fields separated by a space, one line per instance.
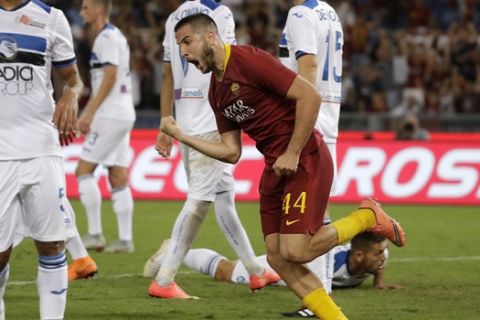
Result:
x=3 y=283
x=203 y=260
x=91 y=199
x=52 y=284
x=122 y=202
x=233 y=230
x=184 y=231
x=329 y=264
x=74 y=244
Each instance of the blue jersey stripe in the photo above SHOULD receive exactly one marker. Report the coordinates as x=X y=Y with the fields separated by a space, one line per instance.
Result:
x=25 y=42
x=212 y=5
x=310 y=3
x=42 y=5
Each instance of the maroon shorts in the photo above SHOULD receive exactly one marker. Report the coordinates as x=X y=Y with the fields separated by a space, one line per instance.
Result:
x=297 y=203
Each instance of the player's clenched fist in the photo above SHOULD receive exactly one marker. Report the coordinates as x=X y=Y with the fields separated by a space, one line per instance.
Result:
x=169 y=127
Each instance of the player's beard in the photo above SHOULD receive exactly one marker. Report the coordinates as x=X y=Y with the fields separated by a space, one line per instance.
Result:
x=208 y=57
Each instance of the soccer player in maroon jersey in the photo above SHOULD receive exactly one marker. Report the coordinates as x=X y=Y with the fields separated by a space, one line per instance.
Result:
x=252 y=91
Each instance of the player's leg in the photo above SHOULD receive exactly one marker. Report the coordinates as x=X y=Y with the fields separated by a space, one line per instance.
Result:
x=184 y=231
x=10 y=213
x=122 y=202
x=209 y=262
x=91 y=199
x=44 y=209
x=82 y=266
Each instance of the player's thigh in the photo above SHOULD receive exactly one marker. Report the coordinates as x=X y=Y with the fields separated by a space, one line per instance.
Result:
x=306 y=193
x=43 y=199
x=108 y=142
x=271 y=189
x=10 y=207
x=206 y=176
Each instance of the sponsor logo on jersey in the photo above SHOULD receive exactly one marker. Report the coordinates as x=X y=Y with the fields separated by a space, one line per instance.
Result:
x=189 y=93
x=8 y=48
x=237 y=111
x=235 y=88
x=24 y=19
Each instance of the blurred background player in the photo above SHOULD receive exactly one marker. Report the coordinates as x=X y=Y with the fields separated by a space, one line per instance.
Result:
x=311 y=45
x=251 y=90
x=209 y=180
x=107 y=120
x=34 y=38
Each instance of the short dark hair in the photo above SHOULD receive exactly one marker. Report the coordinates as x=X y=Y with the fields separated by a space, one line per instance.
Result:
x=364 y=240
x=198 y=21
x=107 y=4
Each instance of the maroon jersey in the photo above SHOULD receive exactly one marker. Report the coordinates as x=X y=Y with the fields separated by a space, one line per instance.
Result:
x=252 y=96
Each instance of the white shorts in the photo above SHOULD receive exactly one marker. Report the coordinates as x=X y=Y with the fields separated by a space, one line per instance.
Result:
x=206 y=176
x=108 y=142
x=32 y=200
x=332 y=147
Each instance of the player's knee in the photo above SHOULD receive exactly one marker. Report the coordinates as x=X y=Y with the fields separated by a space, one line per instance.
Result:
x=290 y=254
x=197 y=208
x=50 y=248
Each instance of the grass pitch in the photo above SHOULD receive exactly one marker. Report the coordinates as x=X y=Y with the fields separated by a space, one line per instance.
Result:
x=440 y=268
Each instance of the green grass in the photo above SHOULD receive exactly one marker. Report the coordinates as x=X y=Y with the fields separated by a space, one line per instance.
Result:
x=436 y=288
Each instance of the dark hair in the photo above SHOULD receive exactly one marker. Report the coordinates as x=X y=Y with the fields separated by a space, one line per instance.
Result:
x=198 y=21
x=107 y=4
x=364 y=240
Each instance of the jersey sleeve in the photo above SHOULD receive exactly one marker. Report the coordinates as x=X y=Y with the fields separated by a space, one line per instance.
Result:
x=63 y=54
x=106 y=49
x=301 y=32
x=225 y=23
x=167 y=40
x=268 y=73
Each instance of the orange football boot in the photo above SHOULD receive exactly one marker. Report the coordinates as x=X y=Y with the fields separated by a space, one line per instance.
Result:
x=385 y=225
x=83 y=268
x=267 y=278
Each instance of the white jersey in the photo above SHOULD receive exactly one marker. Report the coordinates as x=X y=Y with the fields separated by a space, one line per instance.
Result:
x=314 y=28
x=192 y=110
x=111 y=48
x=32 y=38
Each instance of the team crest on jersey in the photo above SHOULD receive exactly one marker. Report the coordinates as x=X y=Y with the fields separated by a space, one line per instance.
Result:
x=8 y=48
x=235 y=88
x=24 y=19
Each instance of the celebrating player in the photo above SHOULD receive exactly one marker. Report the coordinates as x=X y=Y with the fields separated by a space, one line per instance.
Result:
x=253 y=91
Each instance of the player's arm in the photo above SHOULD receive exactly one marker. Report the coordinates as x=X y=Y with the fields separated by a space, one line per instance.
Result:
x=379 y=284
x=163 y=143
x=109 y=78
x=307 y=107
x=66 y=109
x=307 y=67
x=228 y=149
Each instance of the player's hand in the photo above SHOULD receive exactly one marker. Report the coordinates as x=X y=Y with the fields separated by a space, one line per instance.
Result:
x=65 y=116
x=389 y=286
x=169 y=127
x=163 y=144
x=286 y=164
x=84 y=122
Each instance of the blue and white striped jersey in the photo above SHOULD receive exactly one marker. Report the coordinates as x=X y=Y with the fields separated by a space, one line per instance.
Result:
x=33 y=37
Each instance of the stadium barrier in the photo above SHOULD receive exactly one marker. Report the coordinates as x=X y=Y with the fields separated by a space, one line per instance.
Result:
x=444 y=170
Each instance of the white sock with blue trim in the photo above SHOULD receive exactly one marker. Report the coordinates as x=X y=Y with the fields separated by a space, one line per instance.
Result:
x=52 y=285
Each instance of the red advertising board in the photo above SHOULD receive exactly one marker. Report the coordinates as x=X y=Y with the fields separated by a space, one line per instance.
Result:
x=445 y=170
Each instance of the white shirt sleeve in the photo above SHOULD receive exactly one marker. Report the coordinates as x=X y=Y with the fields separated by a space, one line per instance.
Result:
x=226 y=24
x=106 y=49
x=63 y=53
x=167 y=50
x=301 y=31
